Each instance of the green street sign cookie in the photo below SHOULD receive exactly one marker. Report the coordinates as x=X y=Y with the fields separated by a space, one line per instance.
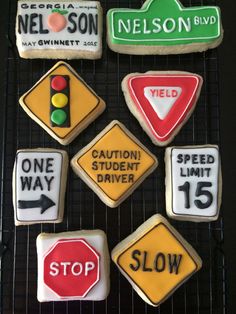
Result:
x=164 y=27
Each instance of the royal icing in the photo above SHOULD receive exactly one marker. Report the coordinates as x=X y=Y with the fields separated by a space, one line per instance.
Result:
x=54 y=103
x=113 y=163
x=162 y=100
x=58 y=83
x=164 y=23
x=74 y=25
x=155 y=259
x=73 y=266
x=60 y=100
x=56 y=21
x=38 y=185
x=194 y=181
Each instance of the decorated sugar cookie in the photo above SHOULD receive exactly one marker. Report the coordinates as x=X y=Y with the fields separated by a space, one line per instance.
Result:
x=39 y=183
x=59 y=29
x=193 y=182
x=156 y=260
x=73 y=266
x=162 y=102
x=114 y=164
x=62 y=103
x=164 y=27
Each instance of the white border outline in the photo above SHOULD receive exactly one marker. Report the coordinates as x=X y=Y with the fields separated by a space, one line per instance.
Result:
x=181 y=7
x=40 y=151
x=141 y=108
x=49 y=36
x=72 y=240
x=154 y=105
x=195 y=147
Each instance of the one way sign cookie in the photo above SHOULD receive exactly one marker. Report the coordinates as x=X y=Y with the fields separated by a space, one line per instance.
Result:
x=39 y=182
x=162 y=102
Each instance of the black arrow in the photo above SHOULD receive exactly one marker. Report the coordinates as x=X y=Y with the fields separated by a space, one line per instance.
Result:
x=44 y=203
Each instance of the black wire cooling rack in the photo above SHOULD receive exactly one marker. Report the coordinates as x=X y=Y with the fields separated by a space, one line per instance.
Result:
x=205 y=292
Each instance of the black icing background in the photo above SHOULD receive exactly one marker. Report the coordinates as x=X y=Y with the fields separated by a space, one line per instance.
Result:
x=205 y=292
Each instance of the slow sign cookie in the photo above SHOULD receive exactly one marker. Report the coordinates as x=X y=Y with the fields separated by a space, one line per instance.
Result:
x=39 y=184
x=59 y=29
x=73 y=266
x=193 y=182
x=114 y=164
x=162 y=101
x=62 y=103
x=163 y=27
x=156 y=260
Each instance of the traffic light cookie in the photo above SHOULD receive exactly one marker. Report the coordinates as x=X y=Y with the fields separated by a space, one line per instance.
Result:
x=156 y=260
x=39 y=184
x=62 y=103
x=193 y=182
x=114 y=164
x=59 y=29
x=73 y=266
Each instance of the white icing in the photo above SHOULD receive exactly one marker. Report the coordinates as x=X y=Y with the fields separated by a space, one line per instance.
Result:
x=63 y=39
x=97 y=240
x=162 y=98
x=36 y=182
x=153 y=26
x=210 y=174
x=76 y=268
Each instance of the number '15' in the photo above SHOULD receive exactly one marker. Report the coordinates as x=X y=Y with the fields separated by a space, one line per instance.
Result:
x=200 y=191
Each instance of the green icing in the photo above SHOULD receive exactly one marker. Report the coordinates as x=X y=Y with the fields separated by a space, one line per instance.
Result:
x=62 y=12
x=58 y=116
x=164 y=23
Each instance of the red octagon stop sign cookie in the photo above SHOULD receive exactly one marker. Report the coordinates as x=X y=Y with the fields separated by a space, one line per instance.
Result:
x=71 y=268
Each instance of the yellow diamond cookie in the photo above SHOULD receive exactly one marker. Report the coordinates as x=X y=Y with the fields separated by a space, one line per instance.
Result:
x=62 y=103
x=114 y=164
x=156 y=260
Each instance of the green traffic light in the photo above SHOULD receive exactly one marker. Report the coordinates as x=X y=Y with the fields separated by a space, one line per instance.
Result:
x=58 y=116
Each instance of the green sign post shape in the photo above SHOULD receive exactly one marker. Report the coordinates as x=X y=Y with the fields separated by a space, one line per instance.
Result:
x=165 y=23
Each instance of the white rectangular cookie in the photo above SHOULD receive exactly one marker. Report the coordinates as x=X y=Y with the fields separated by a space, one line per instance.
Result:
x=73 y=266
x=39 y=184
x=193 y=182
x=59 y=29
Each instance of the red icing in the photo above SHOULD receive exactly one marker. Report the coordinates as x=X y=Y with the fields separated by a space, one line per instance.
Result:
x=58 y=83
x=65 y=280
x=163 y=129
x=56 y=22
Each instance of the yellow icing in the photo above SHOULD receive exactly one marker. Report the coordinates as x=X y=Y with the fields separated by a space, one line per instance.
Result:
x=157 y=285
x=82 y=101
x=116 y=140
x=59 y=100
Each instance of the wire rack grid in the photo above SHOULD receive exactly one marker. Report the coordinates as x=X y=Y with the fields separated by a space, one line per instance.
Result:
x=202 y=294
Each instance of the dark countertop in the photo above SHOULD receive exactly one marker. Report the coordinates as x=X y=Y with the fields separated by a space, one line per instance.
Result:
x=227 y=53
x=228 y=141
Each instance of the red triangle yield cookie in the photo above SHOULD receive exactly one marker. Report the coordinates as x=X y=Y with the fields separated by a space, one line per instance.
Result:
x=162 y=101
